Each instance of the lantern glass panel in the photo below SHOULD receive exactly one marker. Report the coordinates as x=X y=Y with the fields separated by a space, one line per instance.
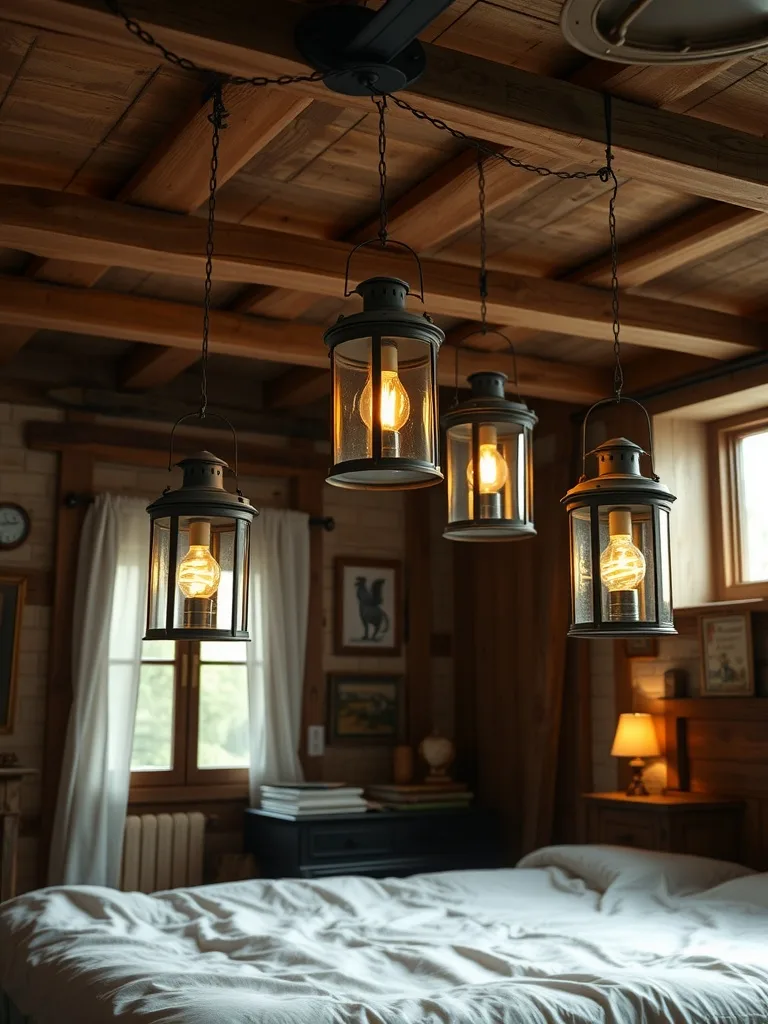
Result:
x=627 y=563
x=502 y=451
x=405 y=408
x=581 y=555
x=665 y=610
x=200 y=603
x=158 y=572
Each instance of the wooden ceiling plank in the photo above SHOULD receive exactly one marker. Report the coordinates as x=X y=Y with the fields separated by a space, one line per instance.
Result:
x=98 y=231
x=169 y=324
x=502 y=104
x=303 y=385
x=12 y=340
x=146 y=366
x=655 y=85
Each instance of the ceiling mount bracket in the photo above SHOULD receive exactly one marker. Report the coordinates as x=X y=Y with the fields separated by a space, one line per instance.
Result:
x=368 y=51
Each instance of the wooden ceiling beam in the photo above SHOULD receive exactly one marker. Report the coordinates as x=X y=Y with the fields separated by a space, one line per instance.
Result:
x=170 y=324
x=176 y=177
x=12 y=340
x=687 y=239
x=496 y=102
x=146 y=366
x=99 y=231
x=303 y=385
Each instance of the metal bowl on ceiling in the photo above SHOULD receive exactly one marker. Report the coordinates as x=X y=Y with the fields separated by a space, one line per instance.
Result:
x=666 y=31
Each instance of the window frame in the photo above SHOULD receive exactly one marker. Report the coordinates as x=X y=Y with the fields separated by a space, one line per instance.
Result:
x=725 y=488
x=185 y=780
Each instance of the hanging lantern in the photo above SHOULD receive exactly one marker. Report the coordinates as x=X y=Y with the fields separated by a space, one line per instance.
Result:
x=621 y=579
x=490 y=464
x=199 y=557
x=199 y=560
x=384 y=392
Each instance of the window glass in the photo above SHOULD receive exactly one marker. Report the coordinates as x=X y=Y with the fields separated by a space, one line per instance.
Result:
x=222 y=740
x=751 y=460
x=153 y=735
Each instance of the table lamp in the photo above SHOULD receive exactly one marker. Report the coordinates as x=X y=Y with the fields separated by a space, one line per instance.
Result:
x=636 y=738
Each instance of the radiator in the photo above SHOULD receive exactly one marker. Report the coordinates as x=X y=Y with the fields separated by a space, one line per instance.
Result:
x=162 y=851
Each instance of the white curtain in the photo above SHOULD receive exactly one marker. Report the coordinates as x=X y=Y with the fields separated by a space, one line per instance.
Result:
x=109 y=618
x=279 y=606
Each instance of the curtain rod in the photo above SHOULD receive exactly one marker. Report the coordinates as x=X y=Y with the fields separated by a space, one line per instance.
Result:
x=72 y=500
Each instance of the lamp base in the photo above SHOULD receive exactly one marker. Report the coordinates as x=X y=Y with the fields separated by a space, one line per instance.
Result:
x=637 y=786
x=198 y=613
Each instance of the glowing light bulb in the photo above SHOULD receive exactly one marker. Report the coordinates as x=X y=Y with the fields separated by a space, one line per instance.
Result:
x=199 y=573
x=622 y=567
x=394 y=404
x=493 y=468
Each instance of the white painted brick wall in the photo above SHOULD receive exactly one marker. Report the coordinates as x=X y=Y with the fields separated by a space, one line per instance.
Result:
x=29 y=478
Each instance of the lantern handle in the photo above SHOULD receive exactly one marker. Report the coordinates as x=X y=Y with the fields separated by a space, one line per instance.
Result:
x=485 y=334
x=199 y=416
x=389 y=241
x=616 y=401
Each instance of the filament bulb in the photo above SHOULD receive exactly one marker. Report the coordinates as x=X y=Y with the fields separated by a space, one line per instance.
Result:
x=394 y=404
x=492 y=465
x=622 y=563
x=199 y=573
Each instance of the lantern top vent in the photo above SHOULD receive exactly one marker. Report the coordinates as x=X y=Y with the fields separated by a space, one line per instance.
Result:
x=381 y=293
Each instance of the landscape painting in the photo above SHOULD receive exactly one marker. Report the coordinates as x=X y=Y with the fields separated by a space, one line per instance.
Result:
x=368 y=607
x=364 y=709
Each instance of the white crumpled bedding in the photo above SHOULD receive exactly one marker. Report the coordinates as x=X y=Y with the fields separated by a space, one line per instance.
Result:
x=575 y=935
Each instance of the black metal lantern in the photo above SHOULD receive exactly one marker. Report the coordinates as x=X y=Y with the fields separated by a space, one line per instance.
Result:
x=489 y=464
x=621 y=579
x=199 y=557
x=384 y=392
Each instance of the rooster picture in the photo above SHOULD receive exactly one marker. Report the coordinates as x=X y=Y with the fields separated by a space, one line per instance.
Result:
x=369 y=602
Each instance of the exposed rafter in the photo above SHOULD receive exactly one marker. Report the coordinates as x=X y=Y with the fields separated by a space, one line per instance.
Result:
x=175 y=325
x=97 y=231
x=501 y=104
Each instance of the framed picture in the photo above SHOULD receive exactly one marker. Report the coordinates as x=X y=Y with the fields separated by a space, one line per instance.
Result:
x=364 y=708
x=368 y=607
x=641 y=647
x=726 y=656
x=12 y=593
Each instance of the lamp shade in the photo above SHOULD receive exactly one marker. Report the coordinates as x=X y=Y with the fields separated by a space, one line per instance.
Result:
x=635 y=737
x=384 y=392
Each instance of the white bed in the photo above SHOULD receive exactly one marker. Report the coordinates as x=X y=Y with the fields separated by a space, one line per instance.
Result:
x=574 y=935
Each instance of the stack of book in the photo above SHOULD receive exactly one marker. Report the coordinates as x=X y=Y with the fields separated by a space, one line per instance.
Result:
x=427 y=796
x=311 y=799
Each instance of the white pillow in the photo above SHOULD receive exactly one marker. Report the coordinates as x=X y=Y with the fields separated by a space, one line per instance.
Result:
x=602 y=866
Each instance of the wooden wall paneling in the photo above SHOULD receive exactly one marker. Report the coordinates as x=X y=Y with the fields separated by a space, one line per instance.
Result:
x=465 y=668
x=76 y=476
x=419 y=615
x=307 y=496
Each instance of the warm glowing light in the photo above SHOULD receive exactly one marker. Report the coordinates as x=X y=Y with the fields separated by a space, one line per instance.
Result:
x=199 y=573
x=622 y=564
x=394 y=404
x=493 y=468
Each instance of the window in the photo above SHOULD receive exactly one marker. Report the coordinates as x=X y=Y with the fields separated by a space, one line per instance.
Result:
x=192 y=715
x=741 y=505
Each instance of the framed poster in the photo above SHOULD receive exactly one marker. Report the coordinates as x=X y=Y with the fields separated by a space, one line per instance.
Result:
x=12 y=592
x=368 y=607
x=364 y=708
x=726 y=656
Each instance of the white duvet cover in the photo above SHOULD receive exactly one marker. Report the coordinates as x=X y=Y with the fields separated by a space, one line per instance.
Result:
x=575 y=935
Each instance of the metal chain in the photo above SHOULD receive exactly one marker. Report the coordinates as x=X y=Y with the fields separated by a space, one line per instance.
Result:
x=186 y=64
x=217 y=119
x=381 y=105
x=610 y=175
x=490 y=151
x=483 y=245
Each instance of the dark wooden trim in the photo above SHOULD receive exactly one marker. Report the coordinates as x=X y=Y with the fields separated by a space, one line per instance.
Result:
x=20 y=583
x=132 y=446
x=418 y=588
x=75 y=476
x=307 y=496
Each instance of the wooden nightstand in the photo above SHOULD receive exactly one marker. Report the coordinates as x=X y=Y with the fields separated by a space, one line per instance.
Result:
x=675 y=823
x=377 y=844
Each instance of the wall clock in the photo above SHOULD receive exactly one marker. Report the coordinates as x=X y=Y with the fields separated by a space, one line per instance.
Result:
x=14 y=526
